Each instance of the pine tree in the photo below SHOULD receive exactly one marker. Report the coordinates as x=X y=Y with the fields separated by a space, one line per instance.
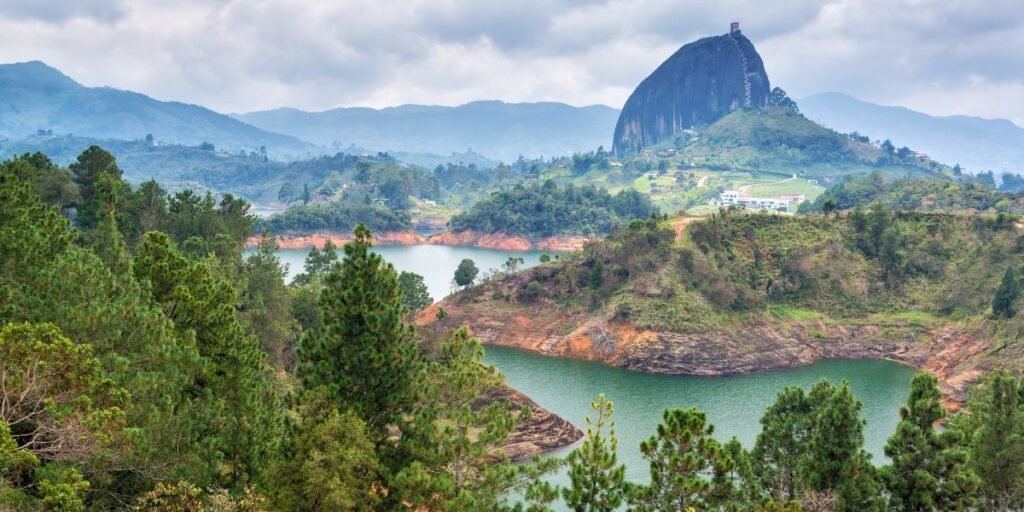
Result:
x=597 y=479
x=248 y=422
x=457 y=436
x=782 y=443
x=1006 y=295
x=31 y=232
x=108 y=243
x=929 y=469
x=364 y=353
x=681 y=456
x=835 y=462
x=415 y=295
x=997 y=443
x=318 y=264
x=88 y=170
x=267 y=307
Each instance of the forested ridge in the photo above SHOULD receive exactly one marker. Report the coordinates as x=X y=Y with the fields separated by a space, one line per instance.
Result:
x=148 y=365
x=547 y=209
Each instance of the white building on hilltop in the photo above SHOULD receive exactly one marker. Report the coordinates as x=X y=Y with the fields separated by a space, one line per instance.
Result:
x=781 y=203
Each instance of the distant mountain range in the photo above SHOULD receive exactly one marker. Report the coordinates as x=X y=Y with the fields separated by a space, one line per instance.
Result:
x=976 y=144
x=34 y=96
x=494 y=129
x=38 y=99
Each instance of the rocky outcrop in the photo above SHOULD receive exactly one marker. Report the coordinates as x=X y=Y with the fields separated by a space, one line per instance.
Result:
x=306 y=241
x=507 y=242
x=696 y=86
x=543 y=431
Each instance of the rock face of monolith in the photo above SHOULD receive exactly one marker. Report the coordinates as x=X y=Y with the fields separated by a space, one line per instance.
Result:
x=697 y=85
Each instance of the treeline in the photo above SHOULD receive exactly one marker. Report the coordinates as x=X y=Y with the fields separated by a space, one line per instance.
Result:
x=93 y=192
x=140 y=375
x=809 y=456
x=917 y=194
x=869 y=261
x=547 y=209
x=337 y=217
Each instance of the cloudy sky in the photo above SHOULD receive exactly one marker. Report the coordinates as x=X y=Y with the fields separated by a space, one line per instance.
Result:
x=938 y=56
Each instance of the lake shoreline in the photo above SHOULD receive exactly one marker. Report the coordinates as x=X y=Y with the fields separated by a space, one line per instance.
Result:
x=948 y=352
x=466 y=238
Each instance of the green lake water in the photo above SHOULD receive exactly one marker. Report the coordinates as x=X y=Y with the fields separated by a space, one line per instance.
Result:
x=733 y=404
x=436 y=263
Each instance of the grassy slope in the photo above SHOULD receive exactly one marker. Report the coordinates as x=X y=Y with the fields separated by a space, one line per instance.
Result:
x=777 y=141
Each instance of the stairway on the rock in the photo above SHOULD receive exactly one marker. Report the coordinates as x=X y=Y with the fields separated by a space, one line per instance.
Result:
x=746 y=76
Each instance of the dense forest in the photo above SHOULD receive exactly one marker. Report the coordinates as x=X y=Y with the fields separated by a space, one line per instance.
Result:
x=146 y=365
x=736 y=268
x=921 y=194
x=547 y=209
x=337 y=217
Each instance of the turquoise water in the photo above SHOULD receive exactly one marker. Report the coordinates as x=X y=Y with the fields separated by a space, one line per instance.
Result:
x=566 y=387
x=733 y=404
x=436 y=263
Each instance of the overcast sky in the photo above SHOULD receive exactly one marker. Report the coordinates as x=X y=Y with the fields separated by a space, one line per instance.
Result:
x=938 y=56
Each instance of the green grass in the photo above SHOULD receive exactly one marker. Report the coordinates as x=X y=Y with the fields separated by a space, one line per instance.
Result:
x=909 y=318
x=702 y=210
x=795 y=313
x=787 y=187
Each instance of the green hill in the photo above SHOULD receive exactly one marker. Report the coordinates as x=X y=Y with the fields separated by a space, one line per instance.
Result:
x=777 y=140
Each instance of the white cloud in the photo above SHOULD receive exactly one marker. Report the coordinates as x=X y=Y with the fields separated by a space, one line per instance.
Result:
x=940 y=56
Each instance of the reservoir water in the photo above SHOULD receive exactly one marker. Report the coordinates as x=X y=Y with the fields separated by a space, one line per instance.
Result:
x=436 y=263
x=733 y=404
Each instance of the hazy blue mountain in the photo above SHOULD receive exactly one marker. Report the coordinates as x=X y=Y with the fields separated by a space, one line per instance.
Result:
x=34 y=96
x=976 y=144
x=493 y=129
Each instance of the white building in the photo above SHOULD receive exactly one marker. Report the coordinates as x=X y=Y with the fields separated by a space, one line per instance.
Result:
x=781 y=203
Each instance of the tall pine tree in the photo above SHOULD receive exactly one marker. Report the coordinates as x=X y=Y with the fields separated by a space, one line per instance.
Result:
x=929 y=468
x=597 y=479
x=997 y=442
x=835 y=462
x=248 y=421
x=364 y=353
x=782 y=443
x=682 y=455
x=1006 y=295
x=89 y=171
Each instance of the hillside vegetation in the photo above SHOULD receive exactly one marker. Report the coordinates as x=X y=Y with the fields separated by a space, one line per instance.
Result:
x=920 y=194
x=736 y=266
x=545 y=210
x=775 y=139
